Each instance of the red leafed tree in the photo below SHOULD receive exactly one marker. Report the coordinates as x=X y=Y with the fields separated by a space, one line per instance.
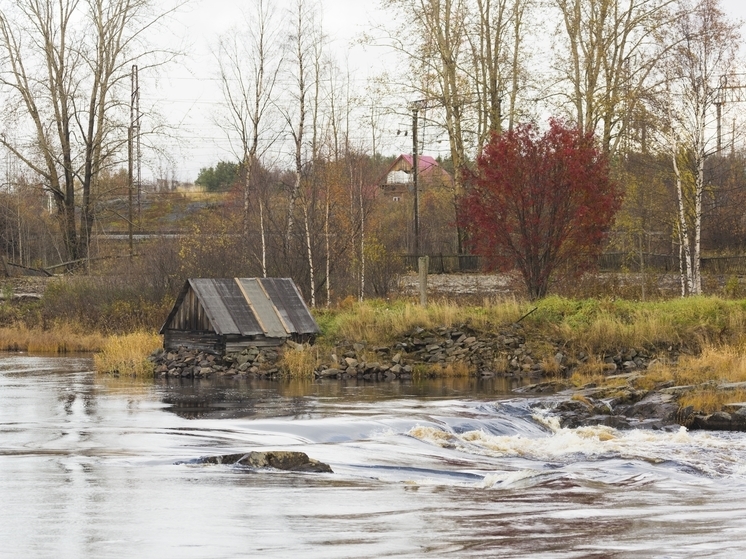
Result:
x=541 y=203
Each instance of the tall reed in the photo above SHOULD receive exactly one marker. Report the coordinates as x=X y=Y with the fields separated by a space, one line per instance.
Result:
x=127 y=354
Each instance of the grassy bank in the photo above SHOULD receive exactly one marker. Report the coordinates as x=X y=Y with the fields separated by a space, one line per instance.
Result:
x=697 y=332
x=379 y=322
x=698 y=341
x=595 y=327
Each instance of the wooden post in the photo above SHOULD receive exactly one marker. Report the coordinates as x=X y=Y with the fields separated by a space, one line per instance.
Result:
x=422 y=264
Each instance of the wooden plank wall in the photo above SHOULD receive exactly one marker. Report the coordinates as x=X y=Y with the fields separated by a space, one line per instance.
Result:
x=205 y=341
x=190 y=316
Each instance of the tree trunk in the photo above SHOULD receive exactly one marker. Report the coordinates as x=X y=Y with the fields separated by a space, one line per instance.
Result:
x=310 y=257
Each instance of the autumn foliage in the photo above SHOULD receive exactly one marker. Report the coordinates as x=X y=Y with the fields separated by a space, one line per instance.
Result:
x=540 y=203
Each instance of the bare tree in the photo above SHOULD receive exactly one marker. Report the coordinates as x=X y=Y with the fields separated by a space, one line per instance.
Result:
x=434 y=38
x=249 y=60
x=64 y=71
x=611 y=51
x=499 y=60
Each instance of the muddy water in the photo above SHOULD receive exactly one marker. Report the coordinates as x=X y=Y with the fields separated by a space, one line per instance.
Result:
x=93 y=467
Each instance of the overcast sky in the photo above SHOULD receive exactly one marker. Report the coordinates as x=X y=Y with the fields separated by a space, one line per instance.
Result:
x=188 y=93
x=189 y=96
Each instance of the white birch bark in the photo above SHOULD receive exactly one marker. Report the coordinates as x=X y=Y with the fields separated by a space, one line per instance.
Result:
x=704 y=52
x=328 y=252
x=264 y=239
x=686 y=262
x=310 y=256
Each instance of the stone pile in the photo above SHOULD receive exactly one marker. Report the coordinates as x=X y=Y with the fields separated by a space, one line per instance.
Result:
x=190 y=363
x=426 y=351
x=624 y=407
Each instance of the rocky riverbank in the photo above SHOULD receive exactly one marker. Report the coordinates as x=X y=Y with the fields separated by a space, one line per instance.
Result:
x=624 y=407
x=509 y=351
x=420 y=352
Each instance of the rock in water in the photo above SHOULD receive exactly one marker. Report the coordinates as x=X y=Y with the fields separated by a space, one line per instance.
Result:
x=284 y=460
x=291 y=461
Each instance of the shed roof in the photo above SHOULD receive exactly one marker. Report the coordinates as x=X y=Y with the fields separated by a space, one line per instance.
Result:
x=272 y=307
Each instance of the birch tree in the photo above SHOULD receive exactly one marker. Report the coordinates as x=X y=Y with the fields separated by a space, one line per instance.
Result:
x=464 y=57
x=497 y=43
x=303 y=52
x=434 y=39
x=706 y=51
x=249 y=62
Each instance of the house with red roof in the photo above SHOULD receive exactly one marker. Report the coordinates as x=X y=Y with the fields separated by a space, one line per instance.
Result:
x=395 y=207
x=396 y=183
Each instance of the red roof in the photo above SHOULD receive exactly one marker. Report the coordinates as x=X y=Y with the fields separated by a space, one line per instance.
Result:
x=425 y=163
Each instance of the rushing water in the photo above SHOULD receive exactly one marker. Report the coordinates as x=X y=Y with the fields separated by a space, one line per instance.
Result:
x=91 y=467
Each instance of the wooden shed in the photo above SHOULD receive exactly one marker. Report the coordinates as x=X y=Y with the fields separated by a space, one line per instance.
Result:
x=229 y=314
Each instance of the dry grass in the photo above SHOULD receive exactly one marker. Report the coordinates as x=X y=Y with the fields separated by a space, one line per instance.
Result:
x=501 y=364
x=715 y=365
x=299 y=363
x=724 y=364
x=127 y=354
x=600 y=325
x=550 y=366
x=60 y=339
x=456 y=369
x=583 y=399
x=593 y=371
x=709 y=400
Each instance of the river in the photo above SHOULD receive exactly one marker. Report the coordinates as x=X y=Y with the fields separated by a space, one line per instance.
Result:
x=95 y=467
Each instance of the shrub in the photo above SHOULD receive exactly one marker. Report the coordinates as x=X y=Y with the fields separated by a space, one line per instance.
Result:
x=108 y=304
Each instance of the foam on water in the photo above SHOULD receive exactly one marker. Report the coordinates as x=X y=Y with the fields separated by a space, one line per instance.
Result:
x=706 y=453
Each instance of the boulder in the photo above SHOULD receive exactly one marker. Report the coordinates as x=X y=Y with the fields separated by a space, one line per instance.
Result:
x=288 y=460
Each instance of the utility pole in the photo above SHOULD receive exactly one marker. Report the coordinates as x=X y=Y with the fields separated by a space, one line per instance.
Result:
x=136 y=146
x=129 y=189
x=422 y=261
x=415 y=181
x=133 y=137
x=727 y=93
